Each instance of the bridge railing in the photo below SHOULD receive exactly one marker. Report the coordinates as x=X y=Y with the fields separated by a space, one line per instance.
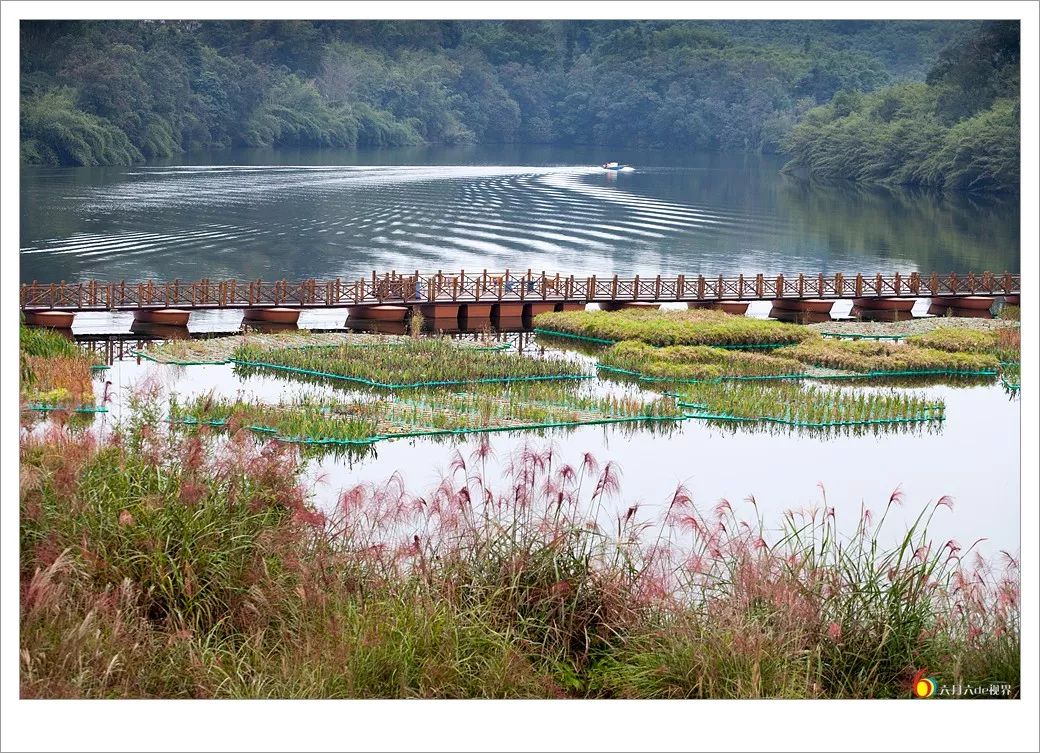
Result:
x=409 y=288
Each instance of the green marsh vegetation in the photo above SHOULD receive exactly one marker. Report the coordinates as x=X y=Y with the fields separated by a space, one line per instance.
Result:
x=866 y=356
x=695 y=362
x=517 y=407
x=1005 y=343
x=812 y=405
x=201 y=570
x=689 y=327
x=415 y=363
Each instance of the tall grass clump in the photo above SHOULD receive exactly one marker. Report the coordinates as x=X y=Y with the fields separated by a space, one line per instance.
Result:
x=885 y=356
x=694 y=362
x=690 y=327
x=163 y=564
x=54 y=371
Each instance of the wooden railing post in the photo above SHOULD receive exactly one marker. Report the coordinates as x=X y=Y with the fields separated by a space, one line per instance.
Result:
x=635 y=288
x=801 y=285
x=592 y=288
x=613 y=288
x=859 y=285
x=779 y=284
x=760 y=285
x=680 y=287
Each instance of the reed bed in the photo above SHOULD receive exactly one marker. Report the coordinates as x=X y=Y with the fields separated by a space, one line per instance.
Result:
x=1005 y=342
x=812 y=406
x=661 y=328
x=159 y=564
x=365 y=422
x=415 y=363
x=865 y=357
x=695 y=361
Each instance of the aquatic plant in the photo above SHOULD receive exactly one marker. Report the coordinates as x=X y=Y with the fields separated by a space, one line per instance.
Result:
x=415 y=363
x=695 y=362
x=689 y=327
x=885 y=357
x=201 y=571
x=810 y=406
x=333 y=423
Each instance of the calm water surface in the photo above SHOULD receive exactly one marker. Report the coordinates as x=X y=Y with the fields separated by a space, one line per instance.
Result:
x=256 y=214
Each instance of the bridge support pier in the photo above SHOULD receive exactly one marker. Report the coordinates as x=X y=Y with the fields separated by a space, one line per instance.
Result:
x=52 y=319
x=380 y=313
x=476 y=310
x=439 y=311
x=976 y=306
x=169 y=317
x=274 y=315
x=539 y=307
x=570 y=306
x=507 y=310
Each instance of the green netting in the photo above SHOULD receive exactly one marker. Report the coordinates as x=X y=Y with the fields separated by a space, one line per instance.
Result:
x=142 y=354
x=66 y=409
x=812 y=424
x=1013 y=386
x=800 y=375
x=412 y=385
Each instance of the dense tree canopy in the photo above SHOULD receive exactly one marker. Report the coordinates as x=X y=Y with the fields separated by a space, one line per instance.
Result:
x=959 y=130
x=119 y=92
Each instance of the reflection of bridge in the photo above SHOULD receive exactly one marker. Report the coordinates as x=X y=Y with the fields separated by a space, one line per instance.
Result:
x=508 y=294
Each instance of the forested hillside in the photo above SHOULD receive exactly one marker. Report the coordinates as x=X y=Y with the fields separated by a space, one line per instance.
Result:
x=120 y=92
x=958 y=130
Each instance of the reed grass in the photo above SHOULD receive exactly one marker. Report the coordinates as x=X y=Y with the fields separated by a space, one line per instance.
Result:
x=806 y=406
x=522 y=407
x=862 y=356
x=661 y=328
x=695 y=362
x=417 y=362
x=55 y=372
x=161 y=564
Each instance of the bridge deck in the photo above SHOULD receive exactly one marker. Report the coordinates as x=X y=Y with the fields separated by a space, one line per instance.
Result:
x=488 y=287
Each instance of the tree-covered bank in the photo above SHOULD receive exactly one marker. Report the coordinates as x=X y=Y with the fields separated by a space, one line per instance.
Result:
x=121 y=92
x=958 y=130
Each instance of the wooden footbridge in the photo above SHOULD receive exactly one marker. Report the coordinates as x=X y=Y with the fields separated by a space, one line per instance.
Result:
x=507 y=294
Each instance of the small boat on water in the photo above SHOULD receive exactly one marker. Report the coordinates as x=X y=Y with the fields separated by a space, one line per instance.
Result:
x=613 y=166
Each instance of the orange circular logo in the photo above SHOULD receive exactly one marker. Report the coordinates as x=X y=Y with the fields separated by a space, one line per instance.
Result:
x=922 y=686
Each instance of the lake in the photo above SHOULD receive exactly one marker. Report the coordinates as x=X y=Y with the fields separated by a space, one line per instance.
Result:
x=298 y=214
x=255 y=214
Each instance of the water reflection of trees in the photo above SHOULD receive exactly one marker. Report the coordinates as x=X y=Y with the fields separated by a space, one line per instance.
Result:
x=943 y=232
